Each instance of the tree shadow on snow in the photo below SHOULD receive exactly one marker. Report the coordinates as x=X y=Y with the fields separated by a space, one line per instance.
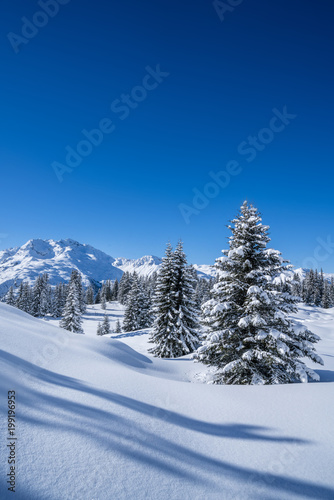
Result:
x=137 y=333
x=134 y=435
x=325 y=375
x=124 y=354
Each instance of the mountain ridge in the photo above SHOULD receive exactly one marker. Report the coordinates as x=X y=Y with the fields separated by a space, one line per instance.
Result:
x=59 y=258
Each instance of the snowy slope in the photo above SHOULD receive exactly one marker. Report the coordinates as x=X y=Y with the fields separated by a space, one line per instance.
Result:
x=99 y=418
x=145 y=266
x=57 y=258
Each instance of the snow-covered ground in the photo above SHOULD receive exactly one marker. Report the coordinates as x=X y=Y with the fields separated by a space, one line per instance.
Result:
x=100 y=418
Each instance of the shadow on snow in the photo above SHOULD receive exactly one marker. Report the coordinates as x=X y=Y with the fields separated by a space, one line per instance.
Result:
x=134 y=438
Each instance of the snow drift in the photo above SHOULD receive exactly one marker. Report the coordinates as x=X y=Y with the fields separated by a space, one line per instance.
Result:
x=99 y=418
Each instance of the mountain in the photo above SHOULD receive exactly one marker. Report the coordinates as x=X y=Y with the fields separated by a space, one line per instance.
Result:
x=59 y=258
x=145 y=266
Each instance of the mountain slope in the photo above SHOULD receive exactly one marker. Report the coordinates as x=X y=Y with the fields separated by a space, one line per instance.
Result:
x=145 y=266
x=59 y=258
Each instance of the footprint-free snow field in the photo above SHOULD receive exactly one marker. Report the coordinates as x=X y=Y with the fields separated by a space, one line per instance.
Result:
x=99 y=418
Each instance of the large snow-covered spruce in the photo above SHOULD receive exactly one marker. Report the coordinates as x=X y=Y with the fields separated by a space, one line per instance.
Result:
x=250 y=338
x=175 y=330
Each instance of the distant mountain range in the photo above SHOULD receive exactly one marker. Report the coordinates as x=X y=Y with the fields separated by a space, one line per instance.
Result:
x=59 y=258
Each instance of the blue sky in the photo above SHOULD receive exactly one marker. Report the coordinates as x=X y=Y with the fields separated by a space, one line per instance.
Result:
x=196 y=91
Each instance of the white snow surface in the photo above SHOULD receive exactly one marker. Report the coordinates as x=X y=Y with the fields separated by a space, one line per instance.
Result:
x=99 y=418
x=145 y=266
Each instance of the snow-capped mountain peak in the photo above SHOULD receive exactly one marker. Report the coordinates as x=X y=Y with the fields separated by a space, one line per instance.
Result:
x=59 y=258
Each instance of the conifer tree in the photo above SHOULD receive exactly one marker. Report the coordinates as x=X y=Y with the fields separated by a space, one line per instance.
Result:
x=175 y=329
x=108 y=291
x=45 y=296
x=98 y=297
x=76 y=278
x=72 y=313
x=90 y=295
x=186 y=329
x=24 y=302
x=250 y=338
x=114 y=291
x=105 y=327
x=326 y=298
x=118 y=328
x=331 y=292
x=124 y=288
x=58 y=307
x=163 y=308
x=103 y=301
x=132 y=310
x=20 y=297
x=99 y=329
x=144 y=305
x=37 y=296
x=10 y=297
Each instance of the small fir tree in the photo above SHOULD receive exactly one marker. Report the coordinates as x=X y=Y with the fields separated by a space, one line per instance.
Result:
x=72 y=313
x=118 y=328
x=105 y=325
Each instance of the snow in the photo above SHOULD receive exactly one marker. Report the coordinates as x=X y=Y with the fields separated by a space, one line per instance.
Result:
x=100 y=418
x=145 y=266
x=58 y=259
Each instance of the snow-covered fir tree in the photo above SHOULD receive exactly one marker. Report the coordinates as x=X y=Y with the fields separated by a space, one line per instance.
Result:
x=103 y=301
x=114 y=290
x=326 y=296
x=108 y=291
x=98 y=297
x=317 y=290
x=175 y=329
x=132 y=311
x=19 y=297
x=203 y=291
x=26 y=299
x=124 y=287
x=58 y=301
x=90 y=295
x=118 y=328
x=186 y=313
x=105 y=327
x=99 y=329
x=10 y=297
x=76 y=278
x=163 y=307
x=145 y=318
x=250 y=338
x=40 y=296
x=45 y=296
x=72 y=312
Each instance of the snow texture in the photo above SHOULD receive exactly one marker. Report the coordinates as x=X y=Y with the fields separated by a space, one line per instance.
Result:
x=100 y=418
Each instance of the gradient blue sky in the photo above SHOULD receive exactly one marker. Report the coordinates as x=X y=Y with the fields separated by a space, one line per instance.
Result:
x=225 y=78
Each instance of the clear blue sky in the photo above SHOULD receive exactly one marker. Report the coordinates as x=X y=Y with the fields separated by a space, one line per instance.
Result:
x=225 y=77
